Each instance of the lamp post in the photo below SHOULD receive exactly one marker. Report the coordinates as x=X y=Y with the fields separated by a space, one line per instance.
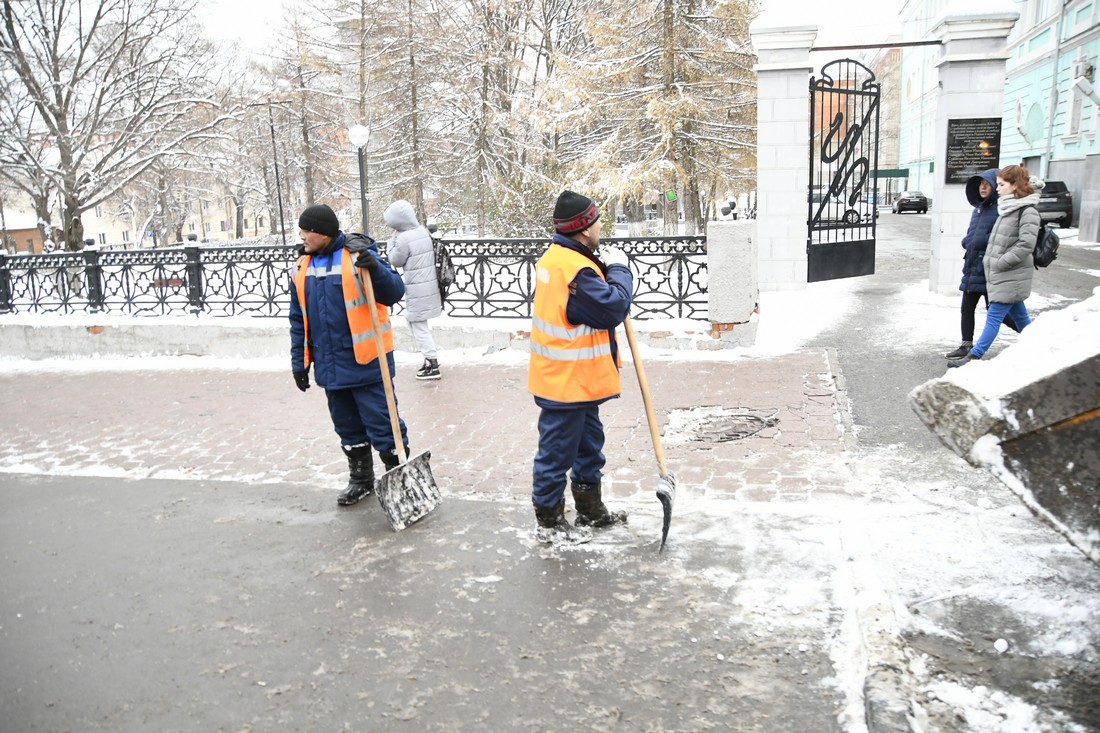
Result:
x=360 y=138
x=278 y=183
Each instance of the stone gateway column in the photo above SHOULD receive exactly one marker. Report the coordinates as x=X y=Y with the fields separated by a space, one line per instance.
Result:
x=783 y=127
x=970 y=103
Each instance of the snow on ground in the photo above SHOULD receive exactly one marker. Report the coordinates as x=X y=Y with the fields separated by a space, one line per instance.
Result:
x=892 y=541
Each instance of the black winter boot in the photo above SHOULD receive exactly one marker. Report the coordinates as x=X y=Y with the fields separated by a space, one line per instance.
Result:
x=964 y=359
x=390 y=460
x=554 y=528
x=361 y=475
x=591 y=511
x=430 y=370
x=963 y=350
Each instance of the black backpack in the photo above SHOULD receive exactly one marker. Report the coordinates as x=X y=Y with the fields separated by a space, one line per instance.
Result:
x=1046 y=246
x=444 y=268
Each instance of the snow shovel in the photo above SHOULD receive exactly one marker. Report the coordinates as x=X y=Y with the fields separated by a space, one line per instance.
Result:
x=407 y=492
x=666 y=482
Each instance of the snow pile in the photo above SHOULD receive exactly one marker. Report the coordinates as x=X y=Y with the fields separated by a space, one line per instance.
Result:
x=1055 y=340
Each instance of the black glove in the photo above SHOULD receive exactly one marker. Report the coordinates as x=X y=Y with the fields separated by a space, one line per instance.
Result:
x=300 y=249
x=367 y=261
x=302 y=380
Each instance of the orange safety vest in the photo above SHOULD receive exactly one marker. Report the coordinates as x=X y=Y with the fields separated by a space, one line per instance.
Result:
x=569 y=363
x=355 y=303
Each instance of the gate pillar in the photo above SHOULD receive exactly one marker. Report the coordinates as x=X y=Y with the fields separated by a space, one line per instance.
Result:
x=971 y=88
x=783 y=128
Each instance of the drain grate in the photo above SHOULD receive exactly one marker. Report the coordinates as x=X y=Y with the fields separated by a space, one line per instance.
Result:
x=716 y=424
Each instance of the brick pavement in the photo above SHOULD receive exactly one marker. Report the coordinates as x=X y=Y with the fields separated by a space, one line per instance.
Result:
x=478 y=421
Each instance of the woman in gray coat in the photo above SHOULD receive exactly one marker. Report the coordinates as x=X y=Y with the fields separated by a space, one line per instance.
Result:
x=412 y=250
x=1008 y=261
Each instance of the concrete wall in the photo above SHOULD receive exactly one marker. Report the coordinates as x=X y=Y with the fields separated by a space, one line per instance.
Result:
x=783 y=126
x=1087 y=205
x=84 y=336
x=971 y=85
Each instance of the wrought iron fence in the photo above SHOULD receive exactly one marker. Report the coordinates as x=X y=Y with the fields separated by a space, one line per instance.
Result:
x=494 y=278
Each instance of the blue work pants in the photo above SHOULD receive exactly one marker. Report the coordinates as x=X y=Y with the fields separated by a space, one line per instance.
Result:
x=568 y=440
x=360 y=416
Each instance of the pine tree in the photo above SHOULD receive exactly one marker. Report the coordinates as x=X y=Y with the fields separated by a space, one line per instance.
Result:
x=660 y=101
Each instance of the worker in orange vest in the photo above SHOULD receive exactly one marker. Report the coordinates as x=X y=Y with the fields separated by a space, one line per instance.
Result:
x=574 y=367
x=330 y=329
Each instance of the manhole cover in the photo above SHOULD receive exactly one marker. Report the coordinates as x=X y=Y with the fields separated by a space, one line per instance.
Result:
x=716 y=424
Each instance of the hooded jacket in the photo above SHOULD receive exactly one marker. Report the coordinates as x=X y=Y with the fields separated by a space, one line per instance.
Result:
x=977 y=235
x=1009 y=265
x=412 y=250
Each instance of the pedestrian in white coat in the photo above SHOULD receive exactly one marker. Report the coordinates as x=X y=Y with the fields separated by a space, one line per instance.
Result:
x=411 y=249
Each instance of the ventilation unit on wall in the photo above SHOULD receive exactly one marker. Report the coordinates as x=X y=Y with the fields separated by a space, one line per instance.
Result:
x=1082 y=68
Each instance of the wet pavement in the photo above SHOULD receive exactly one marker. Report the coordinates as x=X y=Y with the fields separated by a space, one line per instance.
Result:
x=172 y=558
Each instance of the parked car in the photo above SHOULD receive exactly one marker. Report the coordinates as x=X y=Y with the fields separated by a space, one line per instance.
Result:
x=838 y=211
x=1056 y=203
x=911 y=201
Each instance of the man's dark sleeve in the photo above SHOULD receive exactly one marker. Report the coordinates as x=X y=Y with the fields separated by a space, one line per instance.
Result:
x=597 y=303
x=297 y=332
x=389 y=288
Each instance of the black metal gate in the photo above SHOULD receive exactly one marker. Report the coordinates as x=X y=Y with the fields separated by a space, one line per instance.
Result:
x=843 y=196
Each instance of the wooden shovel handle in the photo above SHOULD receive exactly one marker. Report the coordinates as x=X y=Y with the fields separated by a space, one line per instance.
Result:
x=643 y=383
x=380 y=347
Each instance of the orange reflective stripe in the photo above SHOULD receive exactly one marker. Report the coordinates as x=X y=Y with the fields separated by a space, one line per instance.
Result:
x=300 y=287
x=568 y=363
x=355 y=305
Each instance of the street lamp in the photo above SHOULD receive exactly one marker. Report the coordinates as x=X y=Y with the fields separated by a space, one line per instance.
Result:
x=360 y=138
x=278 y=183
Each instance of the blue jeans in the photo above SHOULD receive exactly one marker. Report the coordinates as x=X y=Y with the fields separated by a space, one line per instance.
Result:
x=993 y=319
x=568 y=439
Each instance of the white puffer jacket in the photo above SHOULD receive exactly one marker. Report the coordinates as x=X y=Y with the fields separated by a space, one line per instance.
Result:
x=411 y=250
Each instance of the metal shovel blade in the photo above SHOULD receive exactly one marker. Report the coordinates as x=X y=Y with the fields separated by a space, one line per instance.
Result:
x=666 y=494
x=408 y=492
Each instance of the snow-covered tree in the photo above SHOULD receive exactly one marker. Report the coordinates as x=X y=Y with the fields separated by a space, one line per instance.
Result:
x=95 y=92
x=661 y=100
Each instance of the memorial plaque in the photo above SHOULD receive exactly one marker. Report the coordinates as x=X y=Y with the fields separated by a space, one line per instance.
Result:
x=973 y=146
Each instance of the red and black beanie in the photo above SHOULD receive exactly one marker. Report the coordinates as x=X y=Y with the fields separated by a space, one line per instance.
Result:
x=574 y=213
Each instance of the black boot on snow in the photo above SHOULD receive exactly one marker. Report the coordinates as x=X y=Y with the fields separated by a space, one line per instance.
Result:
x=430 y=370
x=554 y=528
x=963 y=350
x=390 y=459
x=964 y=359
x=361 y=475
x=591 y=511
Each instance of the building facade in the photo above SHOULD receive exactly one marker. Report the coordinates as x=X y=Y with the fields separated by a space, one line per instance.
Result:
x=1050 y=116
x=1050 y=120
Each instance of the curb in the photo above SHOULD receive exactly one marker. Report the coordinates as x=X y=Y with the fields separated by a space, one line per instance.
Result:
x=111 y=335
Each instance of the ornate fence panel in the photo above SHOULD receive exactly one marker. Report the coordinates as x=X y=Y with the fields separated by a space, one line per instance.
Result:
x=494 y=279
x=144 y=282
x=842 y=201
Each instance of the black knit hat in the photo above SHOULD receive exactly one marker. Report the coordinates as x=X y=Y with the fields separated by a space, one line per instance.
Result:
x=574 y=213
x=321 y=219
